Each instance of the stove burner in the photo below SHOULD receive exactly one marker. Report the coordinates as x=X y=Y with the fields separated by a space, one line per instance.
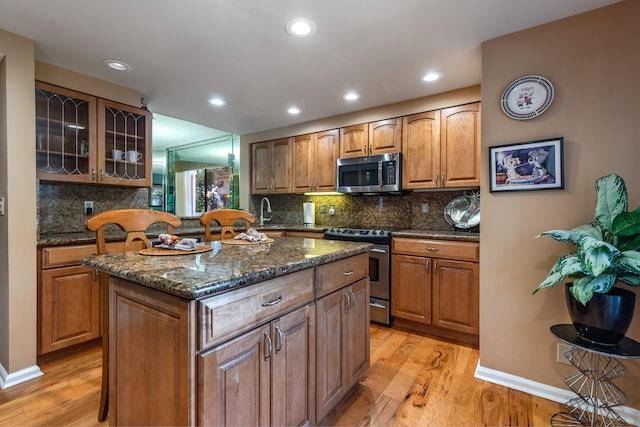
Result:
x=358 y=234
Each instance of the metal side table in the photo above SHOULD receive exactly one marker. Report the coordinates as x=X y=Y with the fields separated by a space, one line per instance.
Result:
x=597 y=365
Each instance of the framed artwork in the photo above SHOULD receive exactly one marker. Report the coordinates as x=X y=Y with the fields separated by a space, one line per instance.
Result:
x=534 y=165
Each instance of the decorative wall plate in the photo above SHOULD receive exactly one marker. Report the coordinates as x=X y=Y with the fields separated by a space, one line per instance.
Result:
x=527 y=97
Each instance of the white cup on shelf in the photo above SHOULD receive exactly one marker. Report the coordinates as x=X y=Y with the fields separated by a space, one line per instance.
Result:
x=117 y=155
x=133 y=156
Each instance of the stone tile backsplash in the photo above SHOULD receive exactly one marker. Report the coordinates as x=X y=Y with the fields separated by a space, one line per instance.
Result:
x=60 y=208
x=386 y=211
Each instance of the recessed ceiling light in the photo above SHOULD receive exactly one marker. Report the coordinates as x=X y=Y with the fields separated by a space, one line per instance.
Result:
x=431 y=76
x=218 y=102
x=351 y=96
x=300 y=27
x=114 y=64
x=293 y=110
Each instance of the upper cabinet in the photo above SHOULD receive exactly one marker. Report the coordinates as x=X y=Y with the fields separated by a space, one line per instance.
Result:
x=314 y=159
x=78 y=138
x=385 y=136
x=441 y=149
x=368 y=139
x=271 y=167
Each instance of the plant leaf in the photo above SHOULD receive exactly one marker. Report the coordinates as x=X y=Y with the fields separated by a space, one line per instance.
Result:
x=567 y=265
x=612 y=200
x=631 y=279
x=575 y=234
x=629 y=262
x=597 y=256
x=583 y=288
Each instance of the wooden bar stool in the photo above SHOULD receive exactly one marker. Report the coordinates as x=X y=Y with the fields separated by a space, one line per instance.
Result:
x=134 y=222
x=226 y=218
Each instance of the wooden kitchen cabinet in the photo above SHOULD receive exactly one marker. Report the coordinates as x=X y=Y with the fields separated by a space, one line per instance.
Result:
x=271 y=167
x=68 y=297
x=76 y=133
x=354 y=140
x=441 y=148
x=436 y=284
x=383 y=136
x=314 y=159
x=262 y=377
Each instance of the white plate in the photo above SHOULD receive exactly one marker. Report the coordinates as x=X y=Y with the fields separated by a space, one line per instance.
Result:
x=527 y=97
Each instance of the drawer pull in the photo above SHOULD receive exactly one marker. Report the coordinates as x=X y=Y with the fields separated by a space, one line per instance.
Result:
x=348 y=273
x=432 y=249
x=274 y=302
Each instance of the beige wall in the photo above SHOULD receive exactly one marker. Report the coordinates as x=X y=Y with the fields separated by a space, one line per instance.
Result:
x=18 y=187
x=594 y=64
x=418 y=105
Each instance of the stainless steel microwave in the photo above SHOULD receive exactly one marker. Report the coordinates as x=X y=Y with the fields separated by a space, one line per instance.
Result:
x=370 y=174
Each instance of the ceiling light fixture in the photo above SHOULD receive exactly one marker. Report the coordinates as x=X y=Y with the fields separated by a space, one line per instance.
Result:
x=300 y=27
x=431 y=76
x=218 y=102
x=351 y=96
x=114 y=64
x=293 y=110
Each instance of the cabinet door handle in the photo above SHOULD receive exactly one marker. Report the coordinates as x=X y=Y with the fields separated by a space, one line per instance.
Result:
x=370 y=149
x=426 y=265
x=280 y=339
x=436 y=180
x=442 y=179
x=347 y=299
x=353 y=298
x=101 y=174
x=93 y=174
x=435 y=266
x=273 y=302
x=348 y=273
x=268 y=345
x=431 y=249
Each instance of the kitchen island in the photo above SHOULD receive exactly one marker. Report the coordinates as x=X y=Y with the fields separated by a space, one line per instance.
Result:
x=241 y=335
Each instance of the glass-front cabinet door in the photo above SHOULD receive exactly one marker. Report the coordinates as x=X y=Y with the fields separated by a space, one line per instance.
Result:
x=124 y=134
x=84 y=139
x=65 y=134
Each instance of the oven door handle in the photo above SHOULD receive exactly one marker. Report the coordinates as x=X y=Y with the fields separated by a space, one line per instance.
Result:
x=381 y=251
x=376 y=305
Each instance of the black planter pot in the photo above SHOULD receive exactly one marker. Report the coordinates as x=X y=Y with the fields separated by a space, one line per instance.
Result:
x=605 y=318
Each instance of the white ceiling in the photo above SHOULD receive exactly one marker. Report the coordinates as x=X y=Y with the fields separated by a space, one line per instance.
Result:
x=183 y=52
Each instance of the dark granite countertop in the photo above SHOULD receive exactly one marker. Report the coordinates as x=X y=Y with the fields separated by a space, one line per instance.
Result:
x=224 y=268
x=463 y=236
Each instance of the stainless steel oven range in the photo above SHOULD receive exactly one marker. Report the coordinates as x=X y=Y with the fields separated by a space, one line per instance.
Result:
x=379 y=267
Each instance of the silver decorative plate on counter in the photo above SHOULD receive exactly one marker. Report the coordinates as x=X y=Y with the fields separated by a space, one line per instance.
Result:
x=464 y=211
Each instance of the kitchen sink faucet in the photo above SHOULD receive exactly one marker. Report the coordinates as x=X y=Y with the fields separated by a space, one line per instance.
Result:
x=262 y=218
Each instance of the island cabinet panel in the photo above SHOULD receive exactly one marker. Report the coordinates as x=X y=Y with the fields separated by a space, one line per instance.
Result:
x=151 y=355
x=224 y=316
x=337 y=274
x=262 y=377
x=342 y=342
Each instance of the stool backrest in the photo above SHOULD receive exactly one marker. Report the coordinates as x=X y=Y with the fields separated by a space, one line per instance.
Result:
x=226 y=218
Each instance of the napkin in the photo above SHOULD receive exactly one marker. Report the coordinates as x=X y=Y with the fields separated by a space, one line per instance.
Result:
x=186 y=244
x=252 y=235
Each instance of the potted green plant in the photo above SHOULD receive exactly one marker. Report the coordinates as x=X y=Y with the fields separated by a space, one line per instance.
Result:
x=607 y=253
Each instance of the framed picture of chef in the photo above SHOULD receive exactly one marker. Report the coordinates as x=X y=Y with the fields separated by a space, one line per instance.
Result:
x=533 y=165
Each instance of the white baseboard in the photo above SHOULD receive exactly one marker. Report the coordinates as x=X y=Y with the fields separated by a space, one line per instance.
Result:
x=9 y=380
x=630 y=415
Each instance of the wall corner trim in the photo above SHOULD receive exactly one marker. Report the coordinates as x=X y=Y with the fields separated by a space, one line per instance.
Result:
x=630 y=415
x=9 y=380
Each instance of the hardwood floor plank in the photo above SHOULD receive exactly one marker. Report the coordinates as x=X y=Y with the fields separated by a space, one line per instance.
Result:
x=414 y=380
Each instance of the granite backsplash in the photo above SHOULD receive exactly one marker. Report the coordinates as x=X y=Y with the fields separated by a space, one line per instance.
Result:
x=60 y=208
x=387 y=211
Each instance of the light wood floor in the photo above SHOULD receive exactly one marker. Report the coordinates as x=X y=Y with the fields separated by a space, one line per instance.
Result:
x=414 y=380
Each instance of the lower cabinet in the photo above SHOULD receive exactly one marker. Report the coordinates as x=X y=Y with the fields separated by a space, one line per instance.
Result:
x=342 y=343
x=69 y=307
x=262 y=377
x=436 y=283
